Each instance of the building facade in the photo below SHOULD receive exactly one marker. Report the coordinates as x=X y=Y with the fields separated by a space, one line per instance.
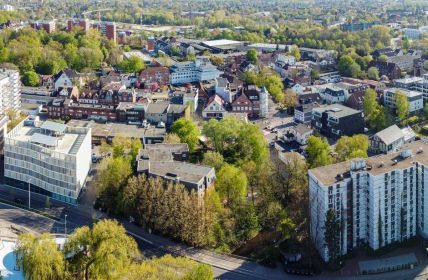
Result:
x=10 y=90
x=193 y=71
x=415 y=99
x=376 y=202
x=54 y=159
x=337 y=120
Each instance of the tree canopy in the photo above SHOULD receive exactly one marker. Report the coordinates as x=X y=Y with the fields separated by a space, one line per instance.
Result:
x=188 y=132
x=319 y=153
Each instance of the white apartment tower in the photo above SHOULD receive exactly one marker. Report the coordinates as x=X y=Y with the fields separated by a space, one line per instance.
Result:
x=54 y=159
x=10 y=90
x=377 y=201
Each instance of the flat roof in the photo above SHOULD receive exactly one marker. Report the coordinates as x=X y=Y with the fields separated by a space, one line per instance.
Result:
x=379 y=164
x=54 y=126
x=183 y=171
x=221 y=42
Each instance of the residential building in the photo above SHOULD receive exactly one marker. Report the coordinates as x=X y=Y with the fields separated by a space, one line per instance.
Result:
x=330 y=77
x=253 y=101
x=168 y=161
x=150 y=75
x=165 y=112
x=303 y=112
x=375 y=201
x=59 y=108
x=108 y=29
x=388 y=69
x=405 y=62
x=357 y=26
x=412 y=33
x=48 y=26
x=225 y=89
x=387 y=141
x=52 y=158
x=193 y=71
x=337 y=120
x=299 y=133
x=130 y=112
x=215 y=108
x=331 y=93
x=415 y=99
x=67 y=78
x=10 y=90
x=80 y=23
x=386 y=51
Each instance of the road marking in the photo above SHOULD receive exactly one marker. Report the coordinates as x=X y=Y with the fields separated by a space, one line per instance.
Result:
x=139 y=237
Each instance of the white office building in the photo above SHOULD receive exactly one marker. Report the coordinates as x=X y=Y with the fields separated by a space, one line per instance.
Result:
x=193 y=71
x=376 y=201
x=53 y=158
x=10 y=90
x=415 y=99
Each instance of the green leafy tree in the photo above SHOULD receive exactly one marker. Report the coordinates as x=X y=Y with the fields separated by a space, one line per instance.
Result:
x=373 y=73
x=402 y=105
x=375 y=114
x=30 y=79
x=319 y=153
x=348 y=67
x=352 y=147
x=169 y=267
x=295 y=51
x=383 y=58
x=133 y=64
x=40 y=257
x=188 y=132
x=231 y=185
x=213 y=159
x=101 y=252
x=172 y=138
x=251 y=55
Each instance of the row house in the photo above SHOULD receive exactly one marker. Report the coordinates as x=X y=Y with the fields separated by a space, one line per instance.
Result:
x=59 y=108
x=253 y=101
x=151 y=75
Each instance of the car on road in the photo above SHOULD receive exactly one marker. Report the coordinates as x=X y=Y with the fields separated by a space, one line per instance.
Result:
x=19 y=201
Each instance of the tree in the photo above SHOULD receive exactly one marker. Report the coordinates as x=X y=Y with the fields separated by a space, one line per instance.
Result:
x=172 y=138
x=217 y=60
x=332 y=229
x=30 y=79
x=40 y=257
x=231 y=185
x=373 y=73
x=251 y=55
x=101 y=252
x=383 y=58
x=188 y=132
x=133 y=64
x=402 y=105
x=376 y=115
x=213 y=159
x=352 y=147
x=318 y=151
x=295 y=51
x=348 y=67
x=286 y=227
x=315 y=74
x=169 y=267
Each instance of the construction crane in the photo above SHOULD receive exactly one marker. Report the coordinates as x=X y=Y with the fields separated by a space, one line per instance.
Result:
x=94 y=11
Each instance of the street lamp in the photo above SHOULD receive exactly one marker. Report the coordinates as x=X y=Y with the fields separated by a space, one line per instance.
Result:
x=29 y=194
x=65 y=224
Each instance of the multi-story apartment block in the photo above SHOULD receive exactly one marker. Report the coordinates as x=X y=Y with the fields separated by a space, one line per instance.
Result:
x=415 y=99
x=52 y=158
x=376 y=201
x=48 y=26
x=81 y=23
x=337 y=120
x=10 y=90
x=193 y=71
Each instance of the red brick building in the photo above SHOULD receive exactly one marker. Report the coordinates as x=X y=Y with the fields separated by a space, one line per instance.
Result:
x=152 y=75
x=80 y=23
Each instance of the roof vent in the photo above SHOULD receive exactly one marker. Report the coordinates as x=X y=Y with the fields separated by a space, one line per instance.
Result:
x=420 y=150
x=406 y=153
x=394 y=162
x=382 y=164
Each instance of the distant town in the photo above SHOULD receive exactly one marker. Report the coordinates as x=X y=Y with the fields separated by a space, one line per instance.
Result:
x=213 y=140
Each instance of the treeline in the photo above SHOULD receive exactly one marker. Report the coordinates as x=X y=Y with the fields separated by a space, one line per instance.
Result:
x=103 y=251
x=38 y=51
